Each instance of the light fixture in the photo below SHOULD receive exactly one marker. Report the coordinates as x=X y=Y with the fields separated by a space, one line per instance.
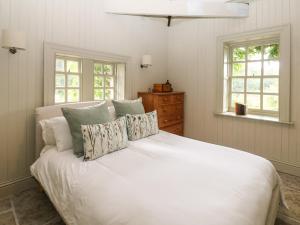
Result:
x=13 y=40
x=146 y=61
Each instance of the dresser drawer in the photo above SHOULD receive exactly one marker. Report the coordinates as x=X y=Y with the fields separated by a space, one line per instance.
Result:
x=177 y=98
x=165 y=121
x=175 y=129
x=164 y=100
x=170 y=110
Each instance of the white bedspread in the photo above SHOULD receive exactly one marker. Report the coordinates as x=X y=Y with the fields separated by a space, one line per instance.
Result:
x=161 y=180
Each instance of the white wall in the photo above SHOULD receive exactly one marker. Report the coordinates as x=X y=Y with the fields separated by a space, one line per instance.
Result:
x=78 y=23
x=192 y=68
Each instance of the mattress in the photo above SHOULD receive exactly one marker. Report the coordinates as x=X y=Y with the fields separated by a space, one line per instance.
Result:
x=160 y=180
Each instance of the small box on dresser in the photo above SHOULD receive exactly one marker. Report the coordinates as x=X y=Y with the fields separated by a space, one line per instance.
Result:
x=169 y=107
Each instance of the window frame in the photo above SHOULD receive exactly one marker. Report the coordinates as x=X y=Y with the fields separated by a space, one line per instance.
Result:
x=261 y=77
x=283 y=33
x=66 y=73
x=124 y=64
x=114 y=76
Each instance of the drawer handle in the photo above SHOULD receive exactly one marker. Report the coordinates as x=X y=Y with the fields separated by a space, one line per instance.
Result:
x=166 y=121
x=178 y=117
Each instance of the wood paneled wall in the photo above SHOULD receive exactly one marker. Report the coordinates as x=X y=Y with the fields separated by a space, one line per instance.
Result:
x=192 y=68
x=77 y=23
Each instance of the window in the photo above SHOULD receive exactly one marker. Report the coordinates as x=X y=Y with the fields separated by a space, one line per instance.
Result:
x=254 y=69
x=254 y=76
x=73 y=75
x=67 y=79
x=104 y=81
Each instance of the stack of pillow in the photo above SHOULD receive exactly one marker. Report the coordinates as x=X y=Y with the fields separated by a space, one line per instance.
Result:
x=93 y=132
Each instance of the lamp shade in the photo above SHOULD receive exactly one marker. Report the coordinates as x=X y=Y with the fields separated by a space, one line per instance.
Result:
x=147 y=60
x=13 y=39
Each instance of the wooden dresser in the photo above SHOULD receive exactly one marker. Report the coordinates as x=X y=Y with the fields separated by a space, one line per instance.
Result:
x=169 y=107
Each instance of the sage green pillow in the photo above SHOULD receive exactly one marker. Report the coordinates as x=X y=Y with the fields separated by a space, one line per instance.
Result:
x=84 y=116
x=131 y=107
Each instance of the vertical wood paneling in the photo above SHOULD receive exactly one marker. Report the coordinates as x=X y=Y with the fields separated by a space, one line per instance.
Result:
x=4 y=22
x=276 y=142
x=76 y=23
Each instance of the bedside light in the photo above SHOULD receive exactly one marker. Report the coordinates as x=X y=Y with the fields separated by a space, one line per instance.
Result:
x=146 y=61
x=13 y=40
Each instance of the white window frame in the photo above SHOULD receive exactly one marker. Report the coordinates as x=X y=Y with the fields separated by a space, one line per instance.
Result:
x=66 y=73
x=262 y=43
x=282 y=33
x=52 y=50
x=114 y=76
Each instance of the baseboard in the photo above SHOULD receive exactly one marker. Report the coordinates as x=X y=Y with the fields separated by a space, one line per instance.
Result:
x=288 y=220
x=287 y=168
x=13 y=187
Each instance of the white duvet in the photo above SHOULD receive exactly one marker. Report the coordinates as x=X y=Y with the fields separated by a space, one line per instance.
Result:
x=161 y=180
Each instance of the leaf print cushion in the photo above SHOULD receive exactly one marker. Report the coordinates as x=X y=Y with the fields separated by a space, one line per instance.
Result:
x=141 y=125
x=102 y=139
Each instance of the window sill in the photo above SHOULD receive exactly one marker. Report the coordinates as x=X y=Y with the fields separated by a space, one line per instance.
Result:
x=255 y=117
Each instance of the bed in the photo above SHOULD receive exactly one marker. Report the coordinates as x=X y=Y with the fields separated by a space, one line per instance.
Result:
x=164 y=179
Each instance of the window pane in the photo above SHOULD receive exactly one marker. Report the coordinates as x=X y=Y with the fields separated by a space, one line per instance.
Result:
x=98 y=94
x=254 y=69
x=108 y=69
x=254 y=53
x=98 y=81
x=72 y=66
x=271 y=102
x=60 y=65
x=109 y=94
x=237 y=98
x=60 y=80
x=253 y=85
x=98 y=69
x=73 y=95
x=238 y=69
x=271 y=51
x=239 y=54
x=73 y=81
x=59 y=96
x=109 y=82
x=238 y=85
x=253 y=101
x=271 y=68
x=271 y=85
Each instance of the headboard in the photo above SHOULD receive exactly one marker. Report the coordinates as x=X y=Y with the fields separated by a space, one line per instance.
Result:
x=48 y=112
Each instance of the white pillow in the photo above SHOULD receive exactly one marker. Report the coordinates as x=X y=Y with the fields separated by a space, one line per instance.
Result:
x=62 y=133
x=47 y=133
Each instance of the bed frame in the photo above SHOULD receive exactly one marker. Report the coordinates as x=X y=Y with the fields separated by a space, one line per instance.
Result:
x=48 y=112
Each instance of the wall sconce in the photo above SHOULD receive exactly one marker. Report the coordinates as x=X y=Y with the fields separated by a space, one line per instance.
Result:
x=146 y=61
x=13 y=40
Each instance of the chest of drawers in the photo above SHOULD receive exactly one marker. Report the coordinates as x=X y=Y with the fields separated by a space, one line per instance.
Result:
x=169 y=107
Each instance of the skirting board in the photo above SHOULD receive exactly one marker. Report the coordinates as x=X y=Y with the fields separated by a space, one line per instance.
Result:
x=17 y=186
x=286 y=168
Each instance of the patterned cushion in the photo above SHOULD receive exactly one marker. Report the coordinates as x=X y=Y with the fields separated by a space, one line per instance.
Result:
x=142 y=125
x=101 y=139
